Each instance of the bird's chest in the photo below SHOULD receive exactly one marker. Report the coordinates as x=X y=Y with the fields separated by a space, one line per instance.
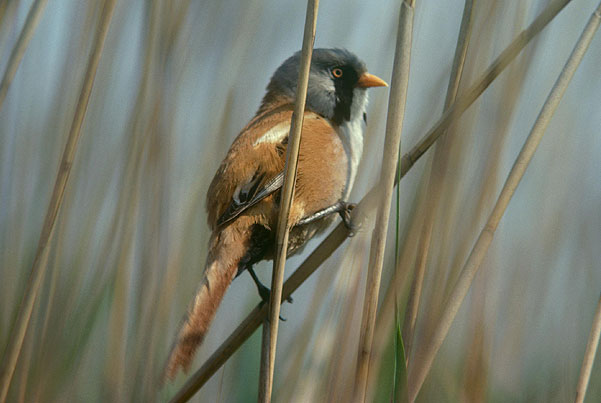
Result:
x=351 y=136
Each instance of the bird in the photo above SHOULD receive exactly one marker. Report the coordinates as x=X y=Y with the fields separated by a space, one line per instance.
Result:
x=244 y=195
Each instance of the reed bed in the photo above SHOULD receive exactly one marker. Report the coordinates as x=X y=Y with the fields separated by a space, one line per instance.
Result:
x=423 y=359
x=40 y=262
x=175 y=83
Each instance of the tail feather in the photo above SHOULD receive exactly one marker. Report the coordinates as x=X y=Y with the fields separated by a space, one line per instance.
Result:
x=226 y=250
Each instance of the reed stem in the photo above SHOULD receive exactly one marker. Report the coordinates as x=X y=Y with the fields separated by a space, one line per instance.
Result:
x=484 y=80
x=589 y=355
x=394 y=127
x=31 y=23
x=439 y=163
x=420 y=366
x=38 y=269
x=269 y=342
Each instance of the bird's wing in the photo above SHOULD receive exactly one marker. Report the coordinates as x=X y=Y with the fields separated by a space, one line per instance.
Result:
x=249 y=172
x=253 y=168
x=250 y=194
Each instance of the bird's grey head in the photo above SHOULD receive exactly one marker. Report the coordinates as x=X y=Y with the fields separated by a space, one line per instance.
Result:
x=337 y=83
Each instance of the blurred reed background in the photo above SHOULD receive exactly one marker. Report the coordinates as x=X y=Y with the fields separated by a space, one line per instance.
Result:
x=176 y=82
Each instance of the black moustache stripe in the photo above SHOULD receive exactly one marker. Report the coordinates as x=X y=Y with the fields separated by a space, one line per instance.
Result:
x=344 y=96
x=344 y=100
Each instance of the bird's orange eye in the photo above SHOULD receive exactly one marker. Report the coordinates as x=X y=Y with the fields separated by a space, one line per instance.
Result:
x=337 y=72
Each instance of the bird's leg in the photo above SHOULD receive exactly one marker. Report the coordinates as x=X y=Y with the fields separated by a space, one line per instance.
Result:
x=345 y=214
x=343 y=208
x=264 y=292
x=334 y=208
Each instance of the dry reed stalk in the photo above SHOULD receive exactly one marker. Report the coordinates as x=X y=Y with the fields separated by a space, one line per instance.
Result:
x=392 y=143
x=341 y=366
x=157 y=178
x=437 y=176
x=302 y=339
x=3 y=8
x=123 y=222
x=483 y=81
x=40 y=262
x=33 y=17
x=473 y=92
x=474 y=385
x=8 y=10
x=338 y=235
x=25 y=368
x=45 y=378
x=590 y=352
x=47 y=303
x=402 y=283
x=424 y=358
x=335 y=341
x=450 y=256
x=477 y=360
x=287 y=195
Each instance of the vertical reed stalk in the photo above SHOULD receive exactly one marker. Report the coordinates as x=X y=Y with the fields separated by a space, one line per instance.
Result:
x=589 y=355
x=473 y=92
x=437 y=174
x=270 y=339
x=39 y=265
x=33 y=17
x=302 y=339
x=425 y=356
x=394 y=127
x=467 y=97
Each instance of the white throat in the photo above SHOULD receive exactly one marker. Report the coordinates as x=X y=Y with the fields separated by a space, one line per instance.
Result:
x=351 y=134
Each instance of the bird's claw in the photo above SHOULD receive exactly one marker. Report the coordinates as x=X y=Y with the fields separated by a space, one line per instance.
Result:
x=345 y=214
x=265 y=294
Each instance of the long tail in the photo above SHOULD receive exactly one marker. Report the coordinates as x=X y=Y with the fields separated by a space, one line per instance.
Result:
x=226 y=250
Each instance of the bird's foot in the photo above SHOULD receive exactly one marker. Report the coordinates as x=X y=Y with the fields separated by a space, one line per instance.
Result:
x=345 y=214
x=265 y=294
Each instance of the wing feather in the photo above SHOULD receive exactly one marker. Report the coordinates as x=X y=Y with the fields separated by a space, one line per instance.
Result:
x=250 y=194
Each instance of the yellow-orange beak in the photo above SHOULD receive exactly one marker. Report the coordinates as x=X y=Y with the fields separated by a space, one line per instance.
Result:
x=369 y=80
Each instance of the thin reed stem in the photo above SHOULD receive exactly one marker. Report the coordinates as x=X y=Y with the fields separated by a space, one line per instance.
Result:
x=33 y=18
x=287 y=195
x=302 y=339
x=589 y=355
x=394 y=128
x=484 y=80
x=437 y=174
x=471 y=94
x=38 y=269
x=420 y=366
